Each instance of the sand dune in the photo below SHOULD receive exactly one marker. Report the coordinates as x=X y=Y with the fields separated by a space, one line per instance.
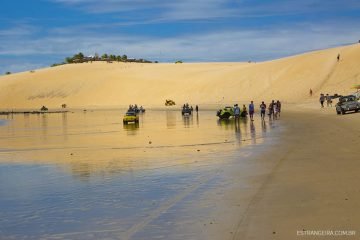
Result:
x=119 y=84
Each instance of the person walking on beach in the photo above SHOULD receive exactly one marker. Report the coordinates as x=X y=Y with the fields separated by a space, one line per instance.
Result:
x=328 y=100
x=197 y=108
x=275 y=110
x=244 y=112
x=251 y=110
x=311 y=92
x=271 y=109
x=278 y=107
x=338 y=57
x=262 y=110
x=322 y=99
x=236 y=111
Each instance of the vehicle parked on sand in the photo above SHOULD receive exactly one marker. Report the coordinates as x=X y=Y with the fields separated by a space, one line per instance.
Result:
x=347 y=103
x=225 y=113
x=131 y=116
x=169 y=102
x=186 y=111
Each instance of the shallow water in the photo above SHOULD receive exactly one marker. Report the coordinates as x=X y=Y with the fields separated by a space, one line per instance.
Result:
x=85 y=175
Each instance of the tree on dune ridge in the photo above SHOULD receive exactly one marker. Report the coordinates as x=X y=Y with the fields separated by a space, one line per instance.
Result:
x=104 y=56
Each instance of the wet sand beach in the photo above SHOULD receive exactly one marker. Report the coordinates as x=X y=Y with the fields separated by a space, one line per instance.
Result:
x=253 y=182
x=313 y=184
x=87 y=176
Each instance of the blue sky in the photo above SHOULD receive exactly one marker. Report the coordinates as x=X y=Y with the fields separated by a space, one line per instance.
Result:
x=37 y=33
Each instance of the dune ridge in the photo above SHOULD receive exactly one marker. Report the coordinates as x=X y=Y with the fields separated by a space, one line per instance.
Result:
x=101 y=84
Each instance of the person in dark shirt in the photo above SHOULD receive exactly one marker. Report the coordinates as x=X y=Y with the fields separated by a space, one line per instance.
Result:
x=251 y=110
x=262 y=110
x=322 y=100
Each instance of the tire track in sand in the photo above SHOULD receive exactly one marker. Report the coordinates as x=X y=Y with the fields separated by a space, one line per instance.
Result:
x=328 y=75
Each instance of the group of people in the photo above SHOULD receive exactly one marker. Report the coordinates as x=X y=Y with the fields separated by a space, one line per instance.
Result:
x=187 y=106
x=135 y=108
x=238 y=113
x=274 y=110
x=326 y=98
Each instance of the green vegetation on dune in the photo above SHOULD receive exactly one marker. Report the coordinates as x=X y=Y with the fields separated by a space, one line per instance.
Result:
x=80 y=58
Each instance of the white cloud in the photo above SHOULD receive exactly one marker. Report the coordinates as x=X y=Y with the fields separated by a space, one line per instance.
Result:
x=208 y=9
x=232 y=44
x=105 y=6
x=160 y=10
x=18 y=30
x=215 y=46
x=199 y=9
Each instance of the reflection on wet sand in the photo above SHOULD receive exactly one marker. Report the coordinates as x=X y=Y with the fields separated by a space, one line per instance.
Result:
x=99 y=140
x=64 y=125
x=44 y=125
x=131 y=128
x=253 y=132
x=188 y=120
x=245 y=130
x=197 y=119
x=171 y=119
x=263 y=126
x=88 y=176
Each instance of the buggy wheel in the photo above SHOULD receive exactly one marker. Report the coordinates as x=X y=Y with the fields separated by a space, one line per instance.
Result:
x=225 y=116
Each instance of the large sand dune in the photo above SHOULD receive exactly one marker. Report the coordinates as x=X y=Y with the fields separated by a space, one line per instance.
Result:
x=115 y=84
